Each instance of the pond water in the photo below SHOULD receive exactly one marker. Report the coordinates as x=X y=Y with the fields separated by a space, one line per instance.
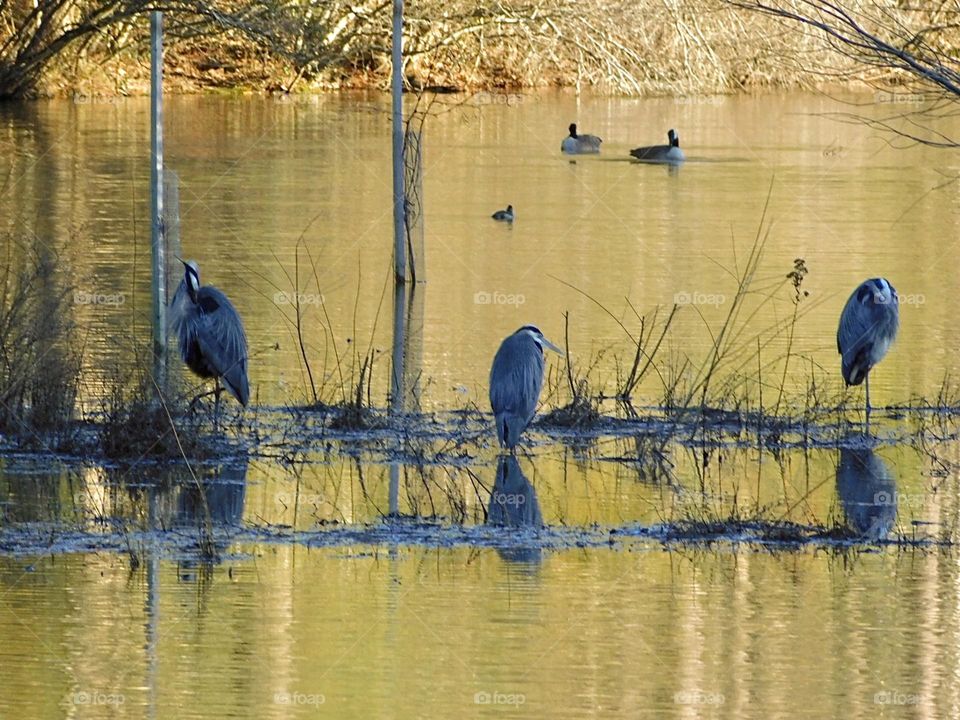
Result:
x=257 y=175
x=353 y=582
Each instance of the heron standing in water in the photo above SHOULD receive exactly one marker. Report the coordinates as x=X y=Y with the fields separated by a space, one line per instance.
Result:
x=516 y=379
x=212 y=341
x=868 y=327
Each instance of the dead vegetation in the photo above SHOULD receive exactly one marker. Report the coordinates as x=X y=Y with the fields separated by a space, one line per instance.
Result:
x=582 y=410
x=40 y=347
x=681 y=48
x=136 y=421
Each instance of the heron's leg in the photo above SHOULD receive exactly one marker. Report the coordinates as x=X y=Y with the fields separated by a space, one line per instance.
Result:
x=216 y=406
x=867 y=383
x=200 y=397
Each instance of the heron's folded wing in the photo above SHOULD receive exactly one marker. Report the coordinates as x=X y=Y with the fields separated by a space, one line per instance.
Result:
x=516 y=378
x=862 y=318
x=223 y=341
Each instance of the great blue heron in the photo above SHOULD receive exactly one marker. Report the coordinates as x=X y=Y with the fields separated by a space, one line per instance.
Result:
x=212 y=341
x=661 y=153
x=868 y=326
x=505 y=215
x=515 y=382
x=575 y=144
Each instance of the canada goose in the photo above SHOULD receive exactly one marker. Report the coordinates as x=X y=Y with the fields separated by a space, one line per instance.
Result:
x=575 y=144
x=661 y=153
x=505 y=215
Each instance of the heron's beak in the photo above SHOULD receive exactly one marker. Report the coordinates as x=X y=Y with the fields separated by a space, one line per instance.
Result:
x=548 y=344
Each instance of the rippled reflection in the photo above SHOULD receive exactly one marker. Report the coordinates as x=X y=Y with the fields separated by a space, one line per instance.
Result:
x=223 y=493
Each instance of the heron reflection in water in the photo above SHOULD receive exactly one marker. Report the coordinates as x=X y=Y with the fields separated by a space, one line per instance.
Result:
x=868 y=493
x=514 y=504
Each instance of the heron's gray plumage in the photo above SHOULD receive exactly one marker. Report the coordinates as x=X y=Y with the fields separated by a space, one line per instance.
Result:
x=505 y=215
x=868 y=326
x=670 y=153
x=516 y=379
x=210 y=331
x=576 y=144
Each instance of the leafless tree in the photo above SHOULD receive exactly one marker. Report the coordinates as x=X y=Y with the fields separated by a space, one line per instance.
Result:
x=628 y=46
x=906 y=50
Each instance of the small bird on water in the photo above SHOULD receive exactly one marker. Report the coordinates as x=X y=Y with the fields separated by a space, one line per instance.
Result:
x=516 y=379
x=868 y=327
x=213 y=343
x=504 y=215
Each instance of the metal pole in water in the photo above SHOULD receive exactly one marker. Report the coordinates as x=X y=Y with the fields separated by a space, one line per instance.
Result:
x=399 y=224
x=158 y=251
x=171 y=243
x=398 y=389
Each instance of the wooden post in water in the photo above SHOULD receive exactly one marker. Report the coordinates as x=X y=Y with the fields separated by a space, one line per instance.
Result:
x=399 y=237
x=158 y=251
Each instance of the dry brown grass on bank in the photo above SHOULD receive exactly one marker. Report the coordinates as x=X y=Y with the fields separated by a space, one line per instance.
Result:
x=638 y=47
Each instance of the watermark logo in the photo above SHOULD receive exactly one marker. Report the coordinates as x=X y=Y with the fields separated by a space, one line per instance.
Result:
x=85 y=497
x=285 y=297
x=894 y=98
x=288 y=499
x=80 y=98
x=498 y=298
x=698 y=697
x=95 y=697
x=900 y=499
x=894 y=697
x=699 y=100
x=83 y=297
x=699 y=298
x=295 y=99
x=499 y=698
x=298 y=698
x=699 y=498
x=488 y=98
x=502 y=498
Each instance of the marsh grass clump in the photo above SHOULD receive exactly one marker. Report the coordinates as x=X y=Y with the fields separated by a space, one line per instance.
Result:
x=356 y=411
x=136 y=422
x=40 y=355
x=581 y=412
